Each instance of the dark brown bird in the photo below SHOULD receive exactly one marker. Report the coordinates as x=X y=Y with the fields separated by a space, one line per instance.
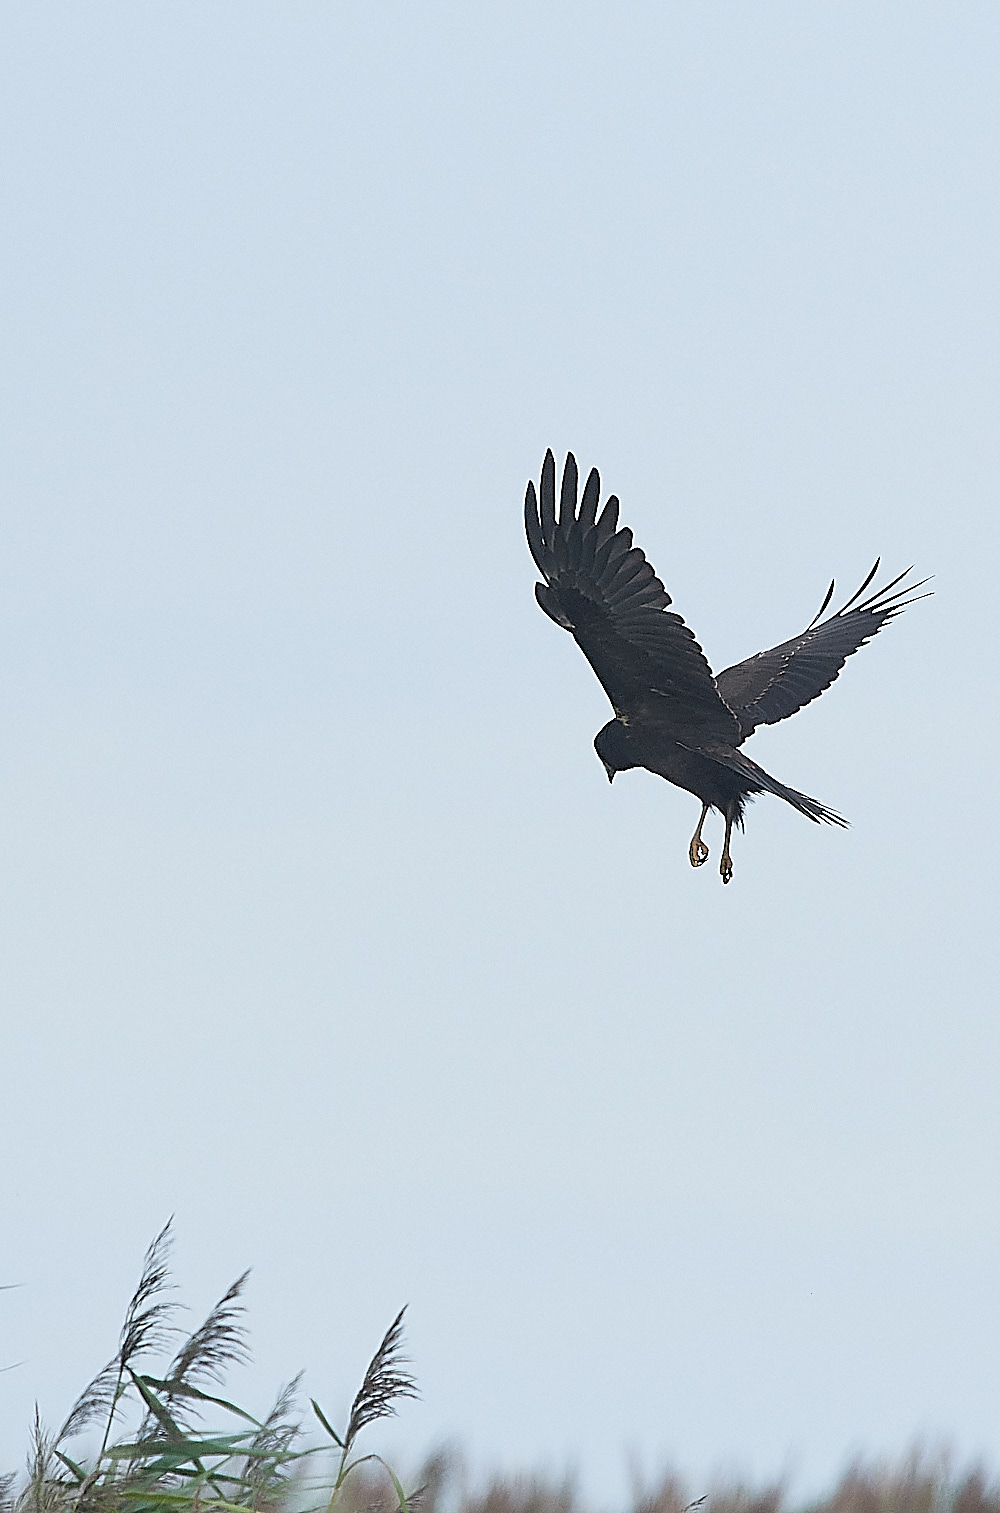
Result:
x=671 y=715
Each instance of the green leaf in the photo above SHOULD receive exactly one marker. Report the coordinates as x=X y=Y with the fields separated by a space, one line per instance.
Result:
x=155 y=1407
x=180 y=1389
x=331 y=1431
x=77 y=1471
x=404 y=1501
x=182 y=1444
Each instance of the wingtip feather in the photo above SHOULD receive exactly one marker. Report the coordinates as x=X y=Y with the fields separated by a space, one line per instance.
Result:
x=857 y=595
x=547 y=500
x=819 y=612
x=567 y=495
x=532 y=527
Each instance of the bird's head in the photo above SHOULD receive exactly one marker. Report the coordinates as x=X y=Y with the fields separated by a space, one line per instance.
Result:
x=614 y=747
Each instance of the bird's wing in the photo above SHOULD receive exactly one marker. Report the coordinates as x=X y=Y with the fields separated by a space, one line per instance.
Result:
x=600 y=587
x=774 y=684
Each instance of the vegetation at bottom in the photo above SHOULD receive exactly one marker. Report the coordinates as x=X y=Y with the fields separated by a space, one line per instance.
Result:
x=151 y=1447
x=151 y=1450
x=919 y=1484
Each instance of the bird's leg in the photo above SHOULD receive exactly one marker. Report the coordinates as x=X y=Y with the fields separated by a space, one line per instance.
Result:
x=698 y=851
x=726 y=868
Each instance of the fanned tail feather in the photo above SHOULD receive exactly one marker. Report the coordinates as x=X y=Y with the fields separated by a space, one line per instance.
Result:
x=763 y=782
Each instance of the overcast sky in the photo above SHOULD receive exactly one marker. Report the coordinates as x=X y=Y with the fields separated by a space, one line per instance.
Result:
x=320 y=926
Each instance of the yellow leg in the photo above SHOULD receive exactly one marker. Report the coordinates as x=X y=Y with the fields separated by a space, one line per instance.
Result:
x=726 y=868
x=698 y=851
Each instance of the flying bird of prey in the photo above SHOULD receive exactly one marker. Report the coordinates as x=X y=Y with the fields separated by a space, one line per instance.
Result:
x=672 y=716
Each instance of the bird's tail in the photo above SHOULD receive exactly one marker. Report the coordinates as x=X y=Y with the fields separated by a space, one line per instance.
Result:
x=763 y=782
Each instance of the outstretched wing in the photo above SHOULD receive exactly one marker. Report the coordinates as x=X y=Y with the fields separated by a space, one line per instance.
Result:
x=774 y=684
x=600 y=587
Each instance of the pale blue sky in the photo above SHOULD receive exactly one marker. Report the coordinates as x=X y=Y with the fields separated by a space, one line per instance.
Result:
x=320 y=926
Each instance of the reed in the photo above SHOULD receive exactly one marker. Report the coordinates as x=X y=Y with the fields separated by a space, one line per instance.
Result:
x=167 y=1443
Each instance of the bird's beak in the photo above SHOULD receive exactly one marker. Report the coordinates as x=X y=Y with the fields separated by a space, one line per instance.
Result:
x=610 y=771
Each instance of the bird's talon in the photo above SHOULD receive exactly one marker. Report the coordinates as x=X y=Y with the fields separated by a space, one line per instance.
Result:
x=698 y=853
x=726 y=870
